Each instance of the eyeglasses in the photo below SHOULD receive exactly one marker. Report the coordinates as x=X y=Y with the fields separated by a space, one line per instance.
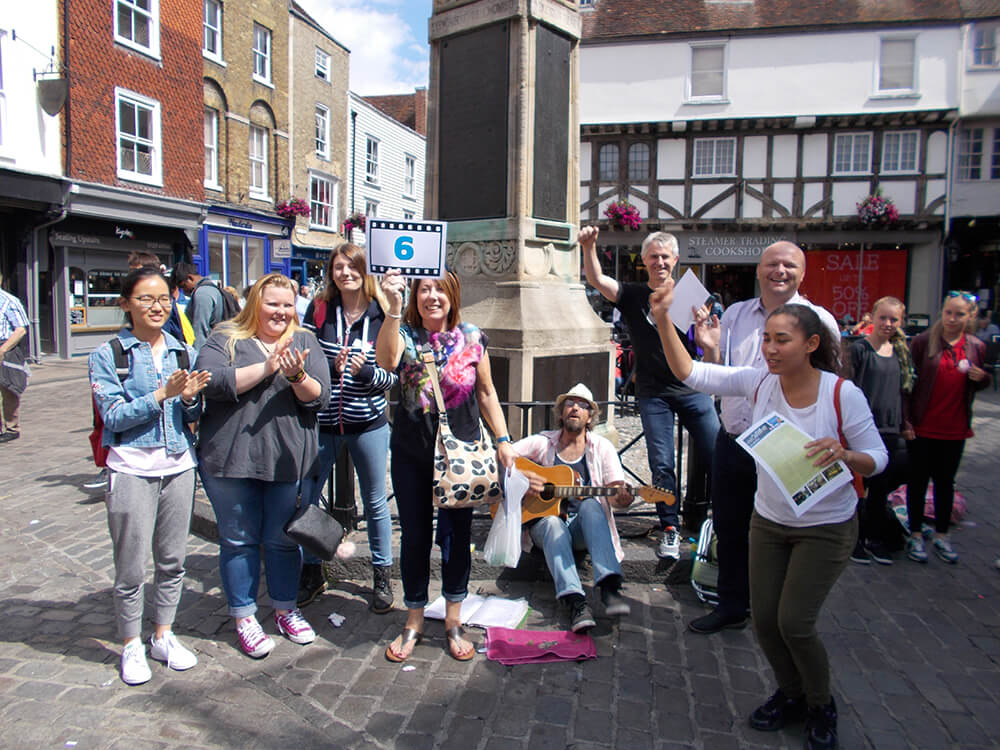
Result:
x=969 y=296
x=582 y=404
x=146 y=301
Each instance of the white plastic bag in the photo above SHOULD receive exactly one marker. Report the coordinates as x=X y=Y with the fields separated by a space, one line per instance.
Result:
x=503 y=545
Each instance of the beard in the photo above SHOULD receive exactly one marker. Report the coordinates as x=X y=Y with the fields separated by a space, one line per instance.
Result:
x=573 y=425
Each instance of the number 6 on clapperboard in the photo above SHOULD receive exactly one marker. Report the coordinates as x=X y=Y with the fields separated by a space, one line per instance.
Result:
x=416 y=248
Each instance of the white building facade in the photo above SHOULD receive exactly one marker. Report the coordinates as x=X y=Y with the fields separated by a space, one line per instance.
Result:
x=386 y=162
x=738 y=136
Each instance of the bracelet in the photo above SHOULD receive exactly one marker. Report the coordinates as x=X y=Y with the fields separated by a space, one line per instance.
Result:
x=503 y=439
x=297 y=377
x=190 y=403
x=394 y=317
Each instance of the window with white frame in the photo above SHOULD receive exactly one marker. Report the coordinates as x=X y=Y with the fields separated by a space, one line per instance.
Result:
x=322 y=202
x=371 y=161
x=714 y=157
x=408 y=215
x=899 y=151
x=995 y=163
x=211 y=148
x=322 y=65
x=371 y=208
x=258 y=162
x=897 y=65
x=137 y=123
x=409 y=176
x=607 y=162
x=708 y=72
x=970 y=153
x=984 y=46
x=638 y=162
x=322 y=132
x=852 y=153
x=212 y=44
x=137 y=25
x=261 y=54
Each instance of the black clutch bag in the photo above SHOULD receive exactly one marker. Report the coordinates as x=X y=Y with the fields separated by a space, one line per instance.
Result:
x=315 y=530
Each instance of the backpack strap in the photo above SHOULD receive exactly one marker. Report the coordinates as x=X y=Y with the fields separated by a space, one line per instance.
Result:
x=121 y=358
x=319 y=314
x=183 y=358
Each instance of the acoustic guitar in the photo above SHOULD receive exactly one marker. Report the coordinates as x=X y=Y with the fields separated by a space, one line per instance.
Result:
x=561 y=483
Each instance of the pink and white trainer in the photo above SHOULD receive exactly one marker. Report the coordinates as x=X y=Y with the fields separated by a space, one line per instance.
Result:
x=294 y=627
x=253 y=640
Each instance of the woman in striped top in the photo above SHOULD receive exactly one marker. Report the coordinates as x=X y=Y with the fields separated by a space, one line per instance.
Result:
x=346 y=318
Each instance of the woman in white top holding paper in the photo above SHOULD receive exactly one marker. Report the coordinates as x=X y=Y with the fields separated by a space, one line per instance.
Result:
x=795 y=557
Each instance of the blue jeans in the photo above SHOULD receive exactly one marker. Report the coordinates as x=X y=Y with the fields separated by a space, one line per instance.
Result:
x=696 y=412
x=588 y=530
x=369 y=452
x=251 y=515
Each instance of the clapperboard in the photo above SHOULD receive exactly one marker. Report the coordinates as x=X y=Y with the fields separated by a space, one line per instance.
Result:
x=416 y=248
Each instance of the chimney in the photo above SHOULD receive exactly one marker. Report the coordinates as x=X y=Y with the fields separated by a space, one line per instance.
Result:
x=420 y=110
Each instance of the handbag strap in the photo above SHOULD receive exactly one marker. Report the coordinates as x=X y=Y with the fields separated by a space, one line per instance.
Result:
x=427 y=354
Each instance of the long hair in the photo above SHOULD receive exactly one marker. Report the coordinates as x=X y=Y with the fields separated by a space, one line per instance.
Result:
x=452 y=288
x=244 y=325
x=907 y=372
x=826 y=356
x=357 y=259
x=132 y=279
x=936 y=342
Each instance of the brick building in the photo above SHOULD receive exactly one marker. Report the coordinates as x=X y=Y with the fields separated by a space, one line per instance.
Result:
x=244 y=59
x=130 y=147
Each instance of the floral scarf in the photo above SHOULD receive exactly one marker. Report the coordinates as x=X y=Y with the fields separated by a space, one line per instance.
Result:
x=457 y=353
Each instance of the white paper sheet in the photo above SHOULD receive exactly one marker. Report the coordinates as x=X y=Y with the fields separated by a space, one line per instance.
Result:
x=483 y=611
x=688 y=292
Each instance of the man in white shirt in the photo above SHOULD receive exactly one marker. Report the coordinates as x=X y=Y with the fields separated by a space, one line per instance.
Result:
x=736 y=341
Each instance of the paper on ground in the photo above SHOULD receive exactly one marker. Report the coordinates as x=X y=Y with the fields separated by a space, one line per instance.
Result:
x=778 y=447
x=484 y=611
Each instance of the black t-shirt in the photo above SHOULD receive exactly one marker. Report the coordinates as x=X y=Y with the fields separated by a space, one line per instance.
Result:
x=878 y=377
x=572 y=505
x=653 y=376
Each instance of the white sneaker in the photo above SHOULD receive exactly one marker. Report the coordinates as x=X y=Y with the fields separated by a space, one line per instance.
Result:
x=670 y=544
x=135 y=670
x=170 y=651
x=99 y=482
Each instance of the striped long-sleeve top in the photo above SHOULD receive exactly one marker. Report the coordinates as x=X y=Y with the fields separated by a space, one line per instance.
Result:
x=357 y=402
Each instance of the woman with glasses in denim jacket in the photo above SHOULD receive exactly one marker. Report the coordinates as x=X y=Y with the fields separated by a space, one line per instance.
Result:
x=151 y=461
x=949 y=363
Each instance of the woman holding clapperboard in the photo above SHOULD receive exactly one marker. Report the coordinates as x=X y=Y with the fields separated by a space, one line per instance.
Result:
x=794 y=559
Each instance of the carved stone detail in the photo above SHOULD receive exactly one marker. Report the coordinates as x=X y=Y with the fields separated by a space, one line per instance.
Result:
x=496 y=258
x=499 y=258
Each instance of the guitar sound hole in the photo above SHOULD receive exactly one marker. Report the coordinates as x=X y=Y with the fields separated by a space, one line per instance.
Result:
x=549 y=492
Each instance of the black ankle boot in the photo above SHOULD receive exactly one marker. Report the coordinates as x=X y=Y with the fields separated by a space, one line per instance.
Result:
x=381 y=590
x=778 y=711
x=821 y=727
x=312 y=583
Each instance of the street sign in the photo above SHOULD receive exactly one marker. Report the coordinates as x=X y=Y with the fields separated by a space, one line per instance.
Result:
x=416 y=248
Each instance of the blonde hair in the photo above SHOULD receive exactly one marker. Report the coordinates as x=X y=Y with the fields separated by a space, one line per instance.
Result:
x=357 y=259
x=244 y=325
x=452 y=289
x=937 y=330
x=907 y=372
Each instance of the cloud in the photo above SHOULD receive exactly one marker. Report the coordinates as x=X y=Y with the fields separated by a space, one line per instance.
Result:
x=388 y=56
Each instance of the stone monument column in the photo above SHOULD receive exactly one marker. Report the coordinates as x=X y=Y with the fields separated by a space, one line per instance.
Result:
x=503 y=138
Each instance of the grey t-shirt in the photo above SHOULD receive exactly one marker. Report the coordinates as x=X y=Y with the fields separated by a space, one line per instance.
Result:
x=264 y=433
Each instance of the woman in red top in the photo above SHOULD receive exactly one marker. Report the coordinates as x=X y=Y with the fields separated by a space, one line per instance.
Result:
x=949 y=364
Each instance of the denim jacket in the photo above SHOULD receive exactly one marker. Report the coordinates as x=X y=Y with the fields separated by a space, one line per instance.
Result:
x=129 y=409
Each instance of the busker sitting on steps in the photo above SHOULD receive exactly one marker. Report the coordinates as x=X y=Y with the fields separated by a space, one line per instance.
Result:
x=585 y=523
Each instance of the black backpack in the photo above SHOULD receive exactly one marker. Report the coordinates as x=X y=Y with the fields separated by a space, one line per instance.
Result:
x=122 y=367
x=230 y=306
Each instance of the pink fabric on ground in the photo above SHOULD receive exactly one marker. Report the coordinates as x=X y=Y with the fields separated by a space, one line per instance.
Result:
x=509 y=646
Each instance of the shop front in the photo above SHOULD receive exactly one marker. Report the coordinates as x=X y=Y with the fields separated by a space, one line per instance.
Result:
x=237 y=247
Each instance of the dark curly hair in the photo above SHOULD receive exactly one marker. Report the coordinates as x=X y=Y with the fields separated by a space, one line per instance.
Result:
x=827 y=354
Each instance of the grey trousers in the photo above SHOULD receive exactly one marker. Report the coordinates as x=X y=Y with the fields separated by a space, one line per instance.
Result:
x=148 y=513
x=792 y=571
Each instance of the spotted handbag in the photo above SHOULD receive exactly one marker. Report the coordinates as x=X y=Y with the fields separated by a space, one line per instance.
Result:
x=465 y=471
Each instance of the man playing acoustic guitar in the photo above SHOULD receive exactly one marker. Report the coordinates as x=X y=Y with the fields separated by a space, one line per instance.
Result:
x=586 y=523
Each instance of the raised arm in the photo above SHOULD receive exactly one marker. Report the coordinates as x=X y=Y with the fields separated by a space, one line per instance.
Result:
x=606 y=285
x=674 y=350
x=389 y=344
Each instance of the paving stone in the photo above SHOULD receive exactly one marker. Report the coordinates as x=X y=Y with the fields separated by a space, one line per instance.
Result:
x=594 y=726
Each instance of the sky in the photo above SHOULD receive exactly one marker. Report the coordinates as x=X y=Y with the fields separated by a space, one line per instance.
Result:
x=387 y=40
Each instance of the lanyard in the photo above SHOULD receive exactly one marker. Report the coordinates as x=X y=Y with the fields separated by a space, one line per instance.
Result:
x=342 y=339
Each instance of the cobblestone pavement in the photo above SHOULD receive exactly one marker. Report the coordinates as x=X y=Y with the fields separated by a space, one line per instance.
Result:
x=915 y=650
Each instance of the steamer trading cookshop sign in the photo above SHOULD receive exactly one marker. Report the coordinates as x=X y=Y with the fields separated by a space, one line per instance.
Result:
x=730 y=248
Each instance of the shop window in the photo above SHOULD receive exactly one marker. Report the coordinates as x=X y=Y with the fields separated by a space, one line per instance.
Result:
x=607 y=162
x=138 y=125
x=216 y=254
x=896 y=65
x=852 y=153
x=212 y=44
x=94 y=298
x=708 y=72
x=234 y=266
x=261 y=54
x=970 y=153
x=255 y=260
x=322 y=65
x=638 y=162
x=899 y=151
x=137 y=25
x=714 y=157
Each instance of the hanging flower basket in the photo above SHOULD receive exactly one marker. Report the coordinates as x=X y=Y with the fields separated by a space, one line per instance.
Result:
x=354 y=221
x=292 y=207
x=623 y=214
x=877 y=210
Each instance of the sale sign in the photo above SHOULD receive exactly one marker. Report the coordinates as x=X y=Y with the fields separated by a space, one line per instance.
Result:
x=416 y=248
x=847 y=282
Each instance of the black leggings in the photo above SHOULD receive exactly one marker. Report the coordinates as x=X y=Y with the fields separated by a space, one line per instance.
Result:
x=875 y=521
x=937 y=460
